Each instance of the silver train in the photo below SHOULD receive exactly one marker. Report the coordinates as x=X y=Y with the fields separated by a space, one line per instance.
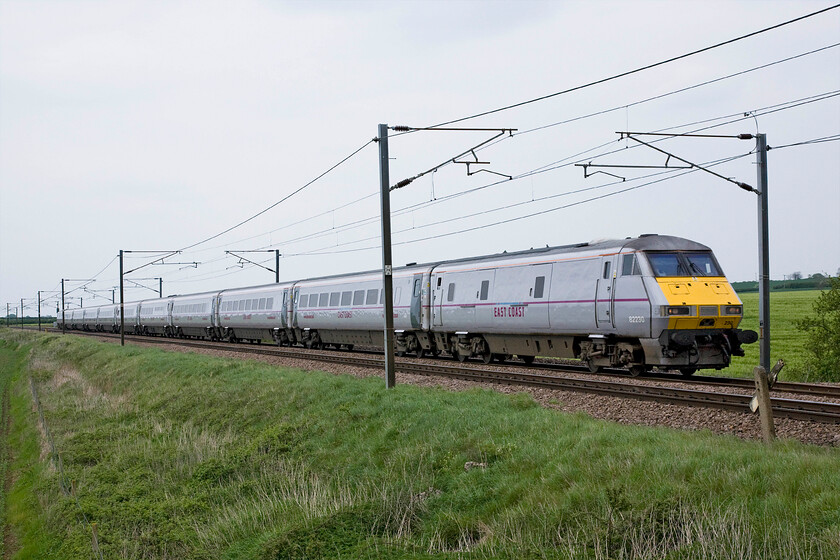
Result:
x=637 y=303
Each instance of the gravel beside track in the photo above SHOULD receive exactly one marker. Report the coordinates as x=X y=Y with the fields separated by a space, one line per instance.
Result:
x=622 y=410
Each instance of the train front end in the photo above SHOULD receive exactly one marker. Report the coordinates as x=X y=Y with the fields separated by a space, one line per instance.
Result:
x=695 y=313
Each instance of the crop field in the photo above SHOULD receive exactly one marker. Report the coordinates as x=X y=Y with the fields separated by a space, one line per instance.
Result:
x=786 y=340
x=185 y=456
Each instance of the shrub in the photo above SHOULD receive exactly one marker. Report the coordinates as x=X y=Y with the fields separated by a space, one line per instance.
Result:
x=823 y=343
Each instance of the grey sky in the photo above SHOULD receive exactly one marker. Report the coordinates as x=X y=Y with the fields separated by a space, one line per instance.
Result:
x=152 y=125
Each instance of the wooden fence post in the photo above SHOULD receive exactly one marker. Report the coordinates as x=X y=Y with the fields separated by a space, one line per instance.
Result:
x=765 y=410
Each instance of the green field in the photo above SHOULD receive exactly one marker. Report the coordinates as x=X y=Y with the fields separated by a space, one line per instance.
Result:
x=186 y=456
x=787 y=341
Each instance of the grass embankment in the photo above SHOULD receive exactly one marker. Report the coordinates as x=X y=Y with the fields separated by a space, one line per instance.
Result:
x=191 y=457
x=787 y=341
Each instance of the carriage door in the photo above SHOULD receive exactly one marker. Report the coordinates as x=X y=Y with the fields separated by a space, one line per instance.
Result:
x=416 y=302
x=604 y=293
x=437 y=300
x=284 y=320
x=214 y=311
x=295 y=300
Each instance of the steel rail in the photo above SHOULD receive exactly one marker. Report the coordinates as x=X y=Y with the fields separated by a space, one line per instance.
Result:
x=782 y=407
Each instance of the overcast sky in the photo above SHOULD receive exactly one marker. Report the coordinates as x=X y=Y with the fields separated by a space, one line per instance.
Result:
x=155 y=125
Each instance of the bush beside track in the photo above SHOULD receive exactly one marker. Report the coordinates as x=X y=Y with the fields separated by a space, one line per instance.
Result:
x=185 y=456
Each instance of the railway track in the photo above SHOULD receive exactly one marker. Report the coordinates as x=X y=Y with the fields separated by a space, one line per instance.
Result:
x=782 y=407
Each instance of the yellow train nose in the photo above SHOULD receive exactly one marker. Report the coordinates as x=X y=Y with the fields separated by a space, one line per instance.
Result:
x=710 y=303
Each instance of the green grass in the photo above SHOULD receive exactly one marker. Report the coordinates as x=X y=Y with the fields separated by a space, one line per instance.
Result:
x=787 y=341
x=192 y=457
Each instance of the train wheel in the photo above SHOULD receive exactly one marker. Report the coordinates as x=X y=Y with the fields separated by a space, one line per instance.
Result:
x=592 y=367
x=399 y=354
x=527 y=359
x=688 y=371
x=421 y=353
x=636 y=370
x=487 y=357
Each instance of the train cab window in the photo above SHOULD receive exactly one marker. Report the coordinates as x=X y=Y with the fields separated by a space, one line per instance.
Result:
x=335 y=297
x=629 y=265
x=702 y=264
x=269 y=303
x=372 y=297
x=323 y=300
x=450 y=295
x=303 y=301
x=485 y=289
x=262 y=303
x=539 y=287
x=346 y=298
x=359 y=297
x=683 y=264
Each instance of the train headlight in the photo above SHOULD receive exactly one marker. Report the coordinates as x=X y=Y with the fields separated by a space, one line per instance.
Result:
x=677 y=310
x=733 y=310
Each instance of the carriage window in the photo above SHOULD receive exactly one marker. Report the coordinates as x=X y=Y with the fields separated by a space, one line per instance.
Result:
x=303 y=301
x=397 y=294
x=236 y=305
x=539 y=287
x=262 y=303
x=359 y=297
x=607 y=269
x=247 y=305
x=372 y=296
x=323 y=300
x=346 y=298
x=451 y=294
x=334 y=299
x=416 y=287
x=381 y=296
x=630 y=266
x=269 y=303
x=485 y=289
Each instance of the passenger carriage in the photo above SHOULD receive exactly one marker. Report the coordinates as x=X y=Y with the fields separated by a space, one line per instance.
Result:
x=348 y=309
x=156 y=316
x=256 y=314
x=192 y=315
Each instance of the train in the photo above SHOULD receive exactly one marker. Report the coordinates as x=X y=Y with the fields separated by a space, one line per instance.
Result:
x=639 y=303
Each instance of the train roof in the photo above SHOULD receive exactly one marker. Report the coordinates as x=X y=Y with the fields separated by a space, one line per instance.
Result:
x=645 y=242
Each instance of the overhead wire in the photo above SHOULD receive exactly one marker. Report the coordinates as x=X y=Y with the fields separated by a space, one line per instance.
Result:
x=557 y=164
x=832 y=138
x=284 y=199
x=768 y=109
x=541 y=212
x=573 y=119
x=639 y=69
x=671 y=172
